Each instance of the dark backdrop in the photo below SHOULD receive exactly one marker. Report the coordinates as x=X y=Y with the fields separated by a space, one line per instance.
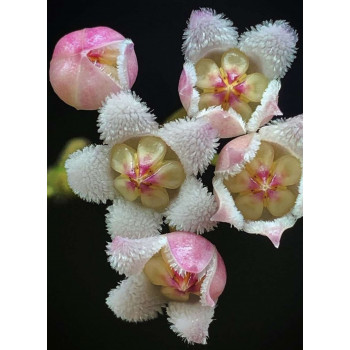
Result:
x=261 y=307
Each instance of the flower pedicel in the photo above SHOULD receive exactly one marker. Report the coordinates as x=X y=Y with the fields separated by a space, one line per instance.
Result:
x=240 y=75
x=180 y=271
x=89 y=64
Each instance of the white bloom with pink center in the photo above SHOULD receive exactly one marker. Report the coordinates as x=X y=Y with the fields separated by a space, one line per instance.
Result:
x=180 y=271
x=258 y=180
x=89 y=64
x=242 y=75
x=149 y=171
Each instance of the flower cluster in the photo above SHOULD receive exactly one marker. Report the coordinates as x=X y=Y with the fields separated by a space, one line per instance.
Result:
x=229 y=87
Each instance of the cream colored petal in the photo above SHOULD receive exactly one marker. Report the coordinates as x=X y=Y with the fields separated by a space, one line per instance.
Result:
x=288 y=170
x=123 y=158
x=157 y=271
x=150 y=151
x=241 y=107
x=126 y=188
x=170 y=175
x=154 y=197
x=208 y=73
x=211 y=99
x=174 y=294
x=234 y=62
x=250 y=205
x=280 y=202
x=263 y=159
x=239 y=182
x=254 y=86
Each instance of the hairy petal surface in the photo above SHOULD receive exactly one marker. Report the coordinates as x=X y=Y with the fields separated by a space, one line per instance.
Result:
x=132 y=220
x=129 y=256
x=193 y=140
x=270 y=47
x=207 y=31
x=124 y=115
x=90 y=175
x=192 y=209
x=190 y=321
x=136 y=299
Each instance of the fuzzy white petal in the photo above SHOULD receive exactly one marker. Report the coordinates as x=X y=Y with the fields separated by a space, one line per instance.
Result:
x=205 y=298
x=123 y=116
x=270 y=47
x=132 y=220
x=286 y=132
x=206 y=32
x=136 y=299
x=193 y=140
x=267 y=108
x=122 y=64
x=90 y=174
x=192 y=209
x=190 y=321
x=129 y=256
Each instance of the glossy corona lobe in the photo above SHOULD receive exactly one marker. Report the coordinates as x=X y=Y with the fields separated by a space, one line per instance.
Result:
x=89 y=64
x=181 y=270
x=258 y=180
x=240 y=75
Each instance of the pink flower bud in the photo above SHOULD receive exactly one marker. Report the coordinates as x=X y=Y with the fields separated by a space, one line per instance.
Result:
x=89 y=64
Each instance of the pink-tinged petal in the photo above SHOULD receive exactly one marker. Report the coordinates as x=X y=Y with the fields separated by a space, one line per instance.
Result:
x=127 y=64
x=227 y=211
x=270 y=47
x=227 y=124
x=190 y=321
x=136 y=299
x=189 y=96
x=267 y=109
x=129 y=256
x=218 y=282
x=208 y=74
x=76 y=74
x=237 y=153
x=207 y=32
x=189 y=251
x=253 y=87
x=240 y=182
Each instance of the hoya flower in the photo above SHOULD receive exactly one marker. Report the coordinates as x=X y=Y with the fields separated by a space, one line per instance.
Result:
x=180 y=271
x=148 y=169
x=89 y=64
x=258 y=180
x=242 y=75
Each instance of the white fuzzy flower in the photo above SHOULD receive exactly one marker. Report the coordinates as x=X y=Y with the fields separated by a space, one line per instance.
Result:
x=148 y=170
x=240 y=74
x=180 y=271
x=258 y=180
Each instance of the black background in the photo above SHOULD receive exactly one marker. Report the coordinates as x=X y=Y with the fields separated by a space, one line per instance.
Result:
x=261 y=307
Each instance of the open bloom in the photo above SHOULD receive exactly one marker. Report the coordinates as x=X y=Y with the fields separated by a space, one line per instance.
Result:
x=240 y=75
x=89 y=64
x=258 y=180
x=149 y=170
x=180 y=271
